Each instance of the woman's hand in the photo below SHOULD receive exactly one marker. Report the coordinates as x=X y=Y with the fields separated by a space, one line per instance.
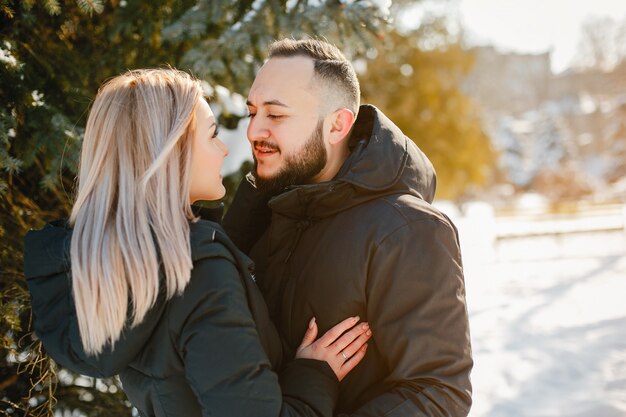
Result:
x=342 y=347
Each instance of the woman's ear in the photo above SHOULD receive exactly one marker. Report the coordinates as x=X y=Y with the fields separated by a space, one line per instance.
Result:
x=340 y=124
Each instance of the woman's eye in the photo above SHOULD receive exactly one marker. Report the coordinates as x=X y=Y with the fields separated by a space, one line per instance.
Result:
x=215 y=133
x=275 y=116
x=251 y=115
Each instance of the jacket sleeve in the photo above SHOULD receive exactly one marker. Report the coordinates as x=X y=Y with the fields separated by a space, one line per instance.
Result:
x=224 y=361
x=47 y=273
x=417 y=310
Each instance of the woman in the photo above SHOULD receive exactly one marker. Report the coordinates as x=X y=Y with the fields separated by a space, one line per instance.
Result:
x=136 y=284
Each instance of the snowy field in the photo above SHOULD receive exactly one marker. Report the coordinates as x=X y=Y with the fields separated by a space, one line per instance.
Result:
x=547 y=315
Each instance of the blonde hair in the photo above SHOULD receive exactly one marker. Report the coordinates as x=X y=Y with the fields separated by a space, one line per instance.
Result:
x=132 y=211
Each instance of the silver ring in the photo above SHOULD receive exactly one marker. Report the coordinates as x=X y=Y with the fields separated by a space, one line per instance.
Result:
x=344 y=355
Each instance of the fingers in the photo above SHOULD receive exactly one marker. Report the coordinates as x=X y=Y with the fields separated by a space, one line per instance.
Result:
x=310 y=335
x=342 y=347
x=351 y=363
x=331 y=335
x=357 y=343
x=350 y=336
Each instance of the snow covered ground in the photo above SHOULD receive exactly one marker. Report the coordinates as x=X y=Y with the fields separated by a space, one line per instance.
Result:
x=548 y=320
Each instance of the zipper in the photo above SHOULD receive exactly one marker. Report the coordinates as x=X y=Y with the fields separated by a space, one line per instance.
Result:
x=287 y=299
x=300 y=227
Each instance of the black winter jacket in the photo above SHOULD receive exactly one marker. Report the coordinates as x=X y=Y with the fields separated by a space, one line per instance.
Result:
x=198 y=354
x=370 y=243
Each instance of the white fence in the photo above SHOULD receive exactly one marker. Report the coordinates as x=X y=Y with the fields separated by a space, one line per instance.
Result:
x=529 y=234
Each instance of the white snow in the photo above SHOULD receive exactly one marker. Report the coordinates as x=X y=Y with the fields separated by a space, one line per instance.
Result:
x=238 y=147
x=547 y=313
x=382 y=6
x=6 y=57
x=231 y=103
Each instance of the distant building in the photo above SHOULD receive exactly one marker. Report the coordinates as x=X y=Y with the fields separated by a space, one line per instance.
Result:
x=552 y=131
x=508 y=82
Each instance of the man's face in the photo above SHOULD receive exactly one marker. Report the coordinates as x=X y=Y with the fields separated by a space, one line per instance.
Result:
x=286 y=131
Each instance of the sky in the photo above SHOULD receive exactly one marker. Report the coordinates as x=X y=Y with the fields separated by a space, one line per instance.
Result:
x=533 y=26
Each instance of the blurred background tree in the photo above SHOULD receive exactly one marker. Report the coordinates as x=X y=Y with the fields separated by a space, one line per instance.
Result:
x=602 y=44
x=415 y=79
x=53 y=57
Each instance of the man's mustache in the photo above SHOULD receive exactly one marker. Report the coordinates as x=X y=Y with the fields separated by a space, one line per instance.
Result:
x=266 y=145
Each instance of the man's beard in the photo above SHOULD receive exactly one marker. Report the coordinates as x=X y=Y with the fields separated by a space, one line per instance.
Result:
x=299 y=168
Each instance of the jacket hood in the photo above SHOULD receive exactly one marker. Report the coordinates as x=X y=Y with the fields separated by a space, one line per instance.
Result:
x=47 y=272
x=382 y=161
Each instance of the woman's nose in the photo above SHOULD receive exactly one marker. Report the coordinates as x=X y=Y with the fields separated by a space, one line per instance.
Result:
x=223 y=147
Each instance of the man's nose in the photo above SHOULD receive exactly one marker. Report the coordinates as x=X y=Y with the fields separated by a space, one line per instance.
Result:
x=257 y=130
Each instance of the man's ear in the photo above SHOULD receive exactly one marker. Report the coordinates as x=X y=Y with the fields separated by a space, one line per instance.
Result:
x=340 y=124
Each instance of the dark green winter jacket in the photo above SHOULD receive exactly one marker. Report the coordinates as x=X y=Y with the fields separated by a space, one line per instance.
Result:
x=202 y=353
x=369 y=243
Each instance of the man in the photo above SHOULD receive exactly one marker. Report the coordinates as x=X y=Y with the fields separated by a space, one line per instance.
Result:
x=352 y=233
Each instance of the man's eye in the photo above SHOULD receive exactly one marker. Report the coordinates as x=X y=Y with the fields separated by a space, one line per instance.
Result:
x=275 y=116
x=251 y=115
x=215 y=133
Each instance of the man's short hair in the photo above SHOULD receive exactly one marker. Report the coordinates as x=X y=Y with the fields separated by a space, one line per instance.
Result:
x=330 y=66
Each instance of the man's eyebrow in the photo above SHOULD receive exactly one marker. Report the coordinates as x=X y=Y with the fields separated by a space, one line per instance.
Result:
x=268 y=103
